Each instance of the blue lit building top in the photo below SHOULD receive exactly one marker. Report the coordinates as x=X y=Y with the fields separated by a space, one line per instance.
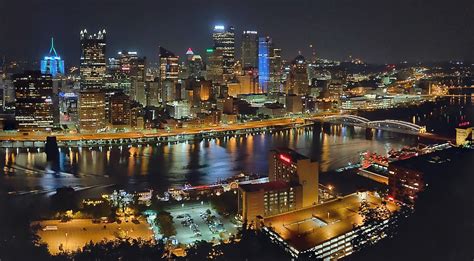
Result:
x=52 y=63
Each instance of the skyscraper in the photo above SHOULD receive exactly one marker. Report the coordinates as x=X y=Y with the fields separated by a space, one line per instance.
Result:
x=169 y=71
x=214 y=67
x=52 y=63
x=275 y=70
x=264 y=49
x=298 y=79
x=34 y=103
x=249 y=49
x=93 y=62
x=169 y=66
x=224 y=41
x=91 y=110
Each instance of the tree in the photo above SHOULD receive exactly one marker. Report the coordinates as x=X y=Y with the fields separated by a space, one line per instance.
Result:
x=165 y=223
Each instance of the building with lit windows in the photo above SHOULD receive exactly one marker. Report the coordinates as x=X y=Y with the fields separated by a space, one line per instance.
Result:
x=92 y=115
x=407 y=178
x=178 y=109
x=52 y=63
x=298 y=78
x=293 y=181
x=169 y=66
x=214 y=67
x=264 y=52
x=224 y=41
x=119 y=110
x=328 y=231
x=275 y=71
x=34 y=101
x=93 y=63
x=249 y=49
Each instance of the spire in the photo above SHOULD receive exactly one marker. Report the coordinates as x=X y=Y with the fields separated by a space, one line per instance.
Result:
x=51 y=50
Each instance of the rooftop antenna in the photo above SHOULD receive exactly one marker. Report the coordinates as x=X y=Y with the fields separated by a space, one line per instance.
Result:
x=51 y=50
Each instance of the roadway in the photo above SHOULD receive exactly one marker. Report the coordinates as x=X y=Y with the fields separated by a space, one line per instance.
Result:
x=17 y=136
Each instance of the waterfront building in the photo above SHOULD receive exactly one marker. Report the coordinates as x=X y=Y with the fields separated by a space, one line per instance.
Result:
x=328 y=231
x=264 y=52
x=119 y=110
x=93 y=63
x=224 y=41
x=293 y=184
x=52 y=63
x=178 y=109
x=294 y=103
x=406 y=178
x=92 y=115
x=249 y=50
x=33 y=101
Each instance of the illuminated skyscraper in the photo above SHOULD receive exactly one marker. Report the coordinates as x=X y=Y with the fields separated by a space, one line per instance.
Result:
x=214 y=67
x=264 y=49
x=91 y=110
x=224 y=41
x=93 y=62
x=249 y=49
x=275 y=71
x=52 y=63
x=169 y=67
x=298 y=79
x=34 y=101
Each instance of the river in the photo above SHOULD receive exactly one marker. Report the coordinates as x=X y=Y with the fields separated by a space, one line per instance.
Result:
x=160 y=166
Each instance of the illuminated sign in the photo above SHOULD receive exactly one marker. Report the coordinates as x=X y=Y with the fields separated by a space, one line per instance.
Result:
x=219 y=27
x=464 y=124
x=209 y=50
x=285 y=158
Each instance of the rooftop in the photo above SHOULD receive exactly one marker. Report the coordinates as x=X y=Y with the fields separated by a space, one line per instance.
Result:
x=309 y=227
x=293 y=154
x=267 y=186
x=431 y=162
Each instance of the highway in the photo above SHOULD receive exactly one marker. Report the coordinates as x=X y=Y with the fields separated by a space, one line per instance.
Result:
x=18 y=136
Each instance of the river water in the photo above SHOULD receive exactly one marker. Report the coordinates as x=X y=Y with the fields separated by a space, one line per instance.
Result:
x=206 y=161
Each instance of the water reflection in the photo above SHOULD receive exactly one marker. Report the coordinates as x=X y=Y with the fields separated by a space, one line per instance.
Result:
x=196 y=162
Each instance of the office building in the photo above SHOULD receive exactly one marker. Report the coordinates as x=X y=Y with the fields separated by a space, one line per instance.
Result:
x=275 y=71
x=215 y=69
x=169 y=66
x=407 y=178
x=179 y=109
x=298 y=78
x=93 y=63
x=34 y=101
x=131 y=65
x=293 y=184
x=249 y=50
x=52 y=63
x=224 y=41
x=294 y=103
x=92 y=114
x=119 y=110
x=328 y=231
x=264 y=51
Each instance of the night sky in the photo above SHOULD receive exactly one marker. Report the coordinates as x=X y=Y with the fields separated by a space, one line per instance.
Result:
x=378 y=31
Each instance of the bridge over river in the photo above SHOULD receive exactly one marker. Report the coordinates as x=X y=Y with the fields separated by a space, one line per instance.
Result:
x=388 y=125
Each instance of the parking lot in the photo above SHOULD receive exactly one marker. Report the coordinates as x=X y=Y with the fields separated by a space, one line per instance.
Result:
x=75 y=234
x=194 y=222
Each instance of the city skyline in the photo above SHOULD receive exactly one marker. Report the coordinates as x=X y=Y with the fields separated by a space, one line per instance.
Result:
x=367 y=30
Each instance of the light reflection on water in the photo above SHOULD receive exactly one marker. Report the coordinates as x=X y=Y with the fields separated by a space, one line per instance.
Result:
x=196 y=162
